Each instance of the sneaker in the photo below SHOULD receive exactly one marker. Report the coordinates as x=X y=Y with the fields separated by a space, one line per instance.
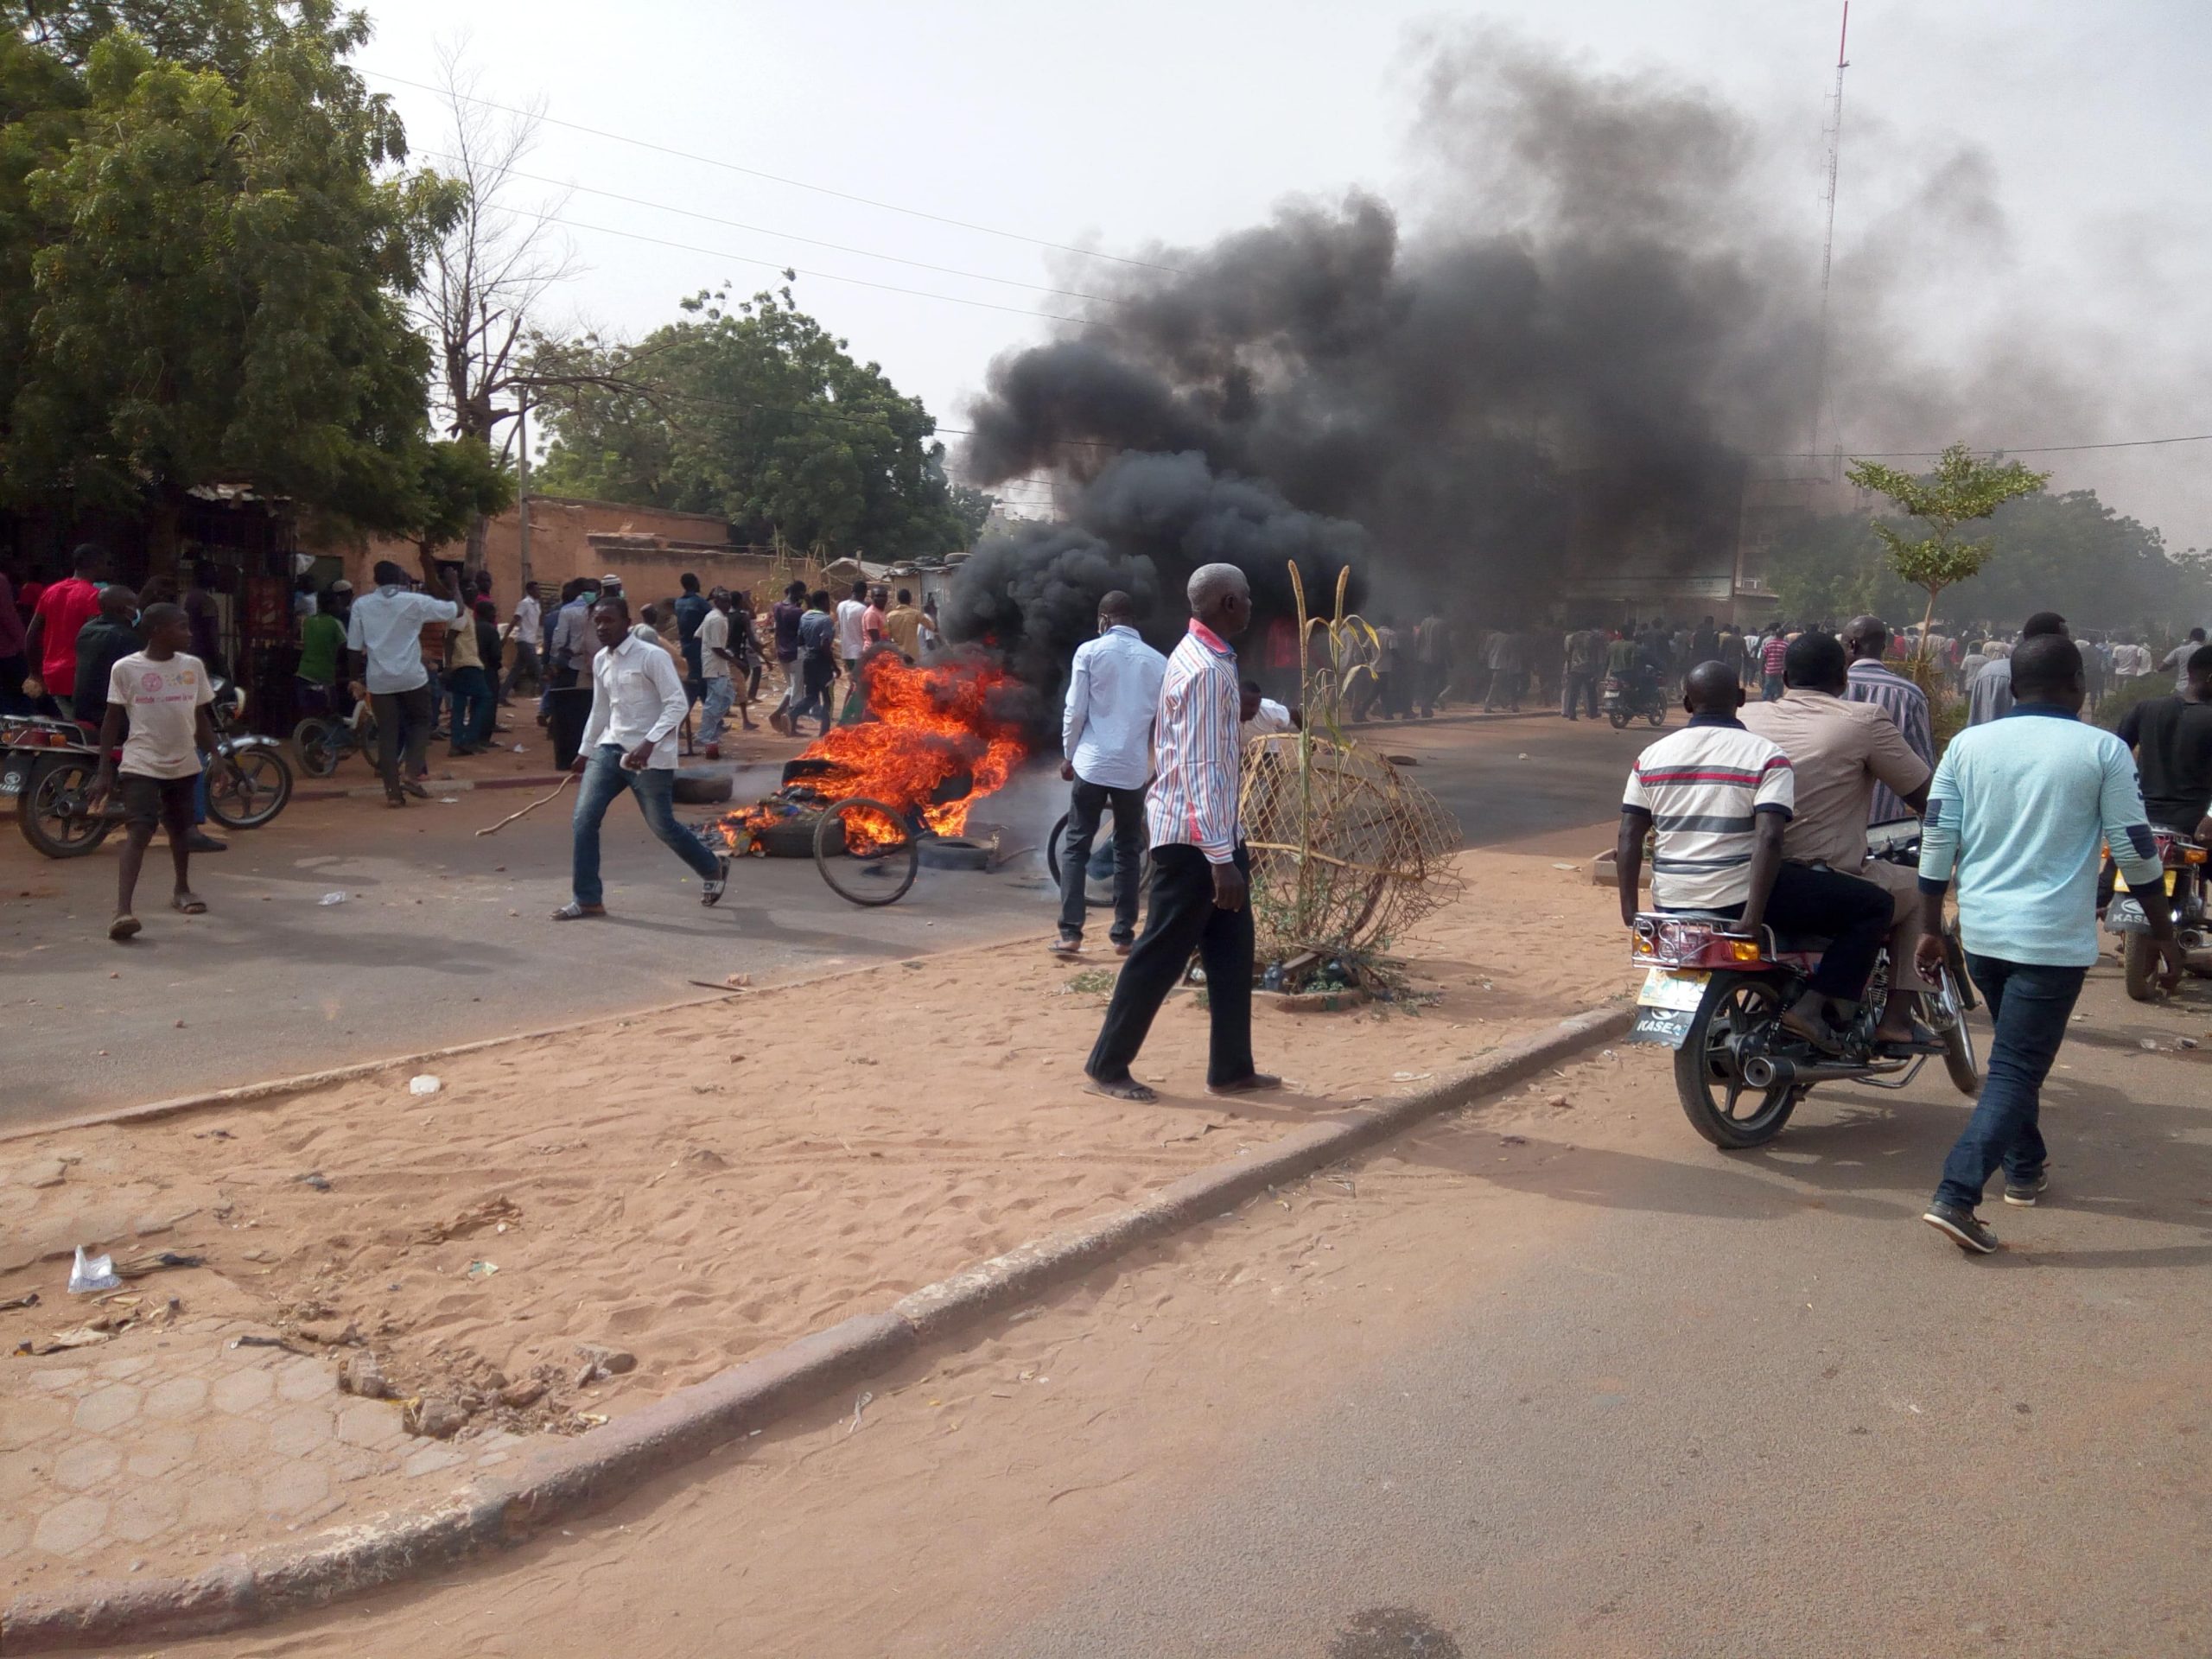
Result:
x=1961 y=1226
x=710 y=891
x=2025 y=1191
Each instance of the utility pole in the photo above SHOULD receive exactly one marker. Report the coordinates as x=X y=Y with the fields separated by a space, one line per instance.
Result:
x=1835 y=136
x=521 y=477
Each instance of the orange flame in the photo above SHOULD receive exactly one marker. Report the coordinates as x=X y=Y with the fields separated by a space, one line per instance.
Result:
x=938 y=740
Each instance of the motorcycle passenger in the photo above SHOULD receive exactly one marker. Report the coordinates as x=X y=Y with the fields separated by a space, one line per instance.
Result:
x=1720 y=798
x=1839 y=750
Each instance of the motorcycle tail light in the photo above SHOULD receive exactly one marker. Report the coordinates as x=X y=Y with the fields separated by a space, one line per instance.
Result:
x=1743 y=950
x=2195 y=855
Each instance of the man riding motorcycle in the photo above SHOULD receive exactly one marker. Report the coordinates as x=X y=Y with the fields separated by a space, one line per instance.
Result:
x=1839 y=750
x=1720 y=798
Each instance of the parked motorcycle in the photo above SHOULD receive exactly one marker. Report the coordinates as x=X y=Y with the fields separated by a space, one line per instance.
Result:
x=49 y=766
x=1624 y=701
x=324 y=740
x=1715 y=994
x=2184 y=860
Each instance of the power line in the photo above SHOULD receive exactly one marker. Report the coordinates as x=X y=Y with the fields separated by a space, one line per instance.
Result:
x=780 y=264
x=773 y=178
x=762 y=230
x=2031 y=449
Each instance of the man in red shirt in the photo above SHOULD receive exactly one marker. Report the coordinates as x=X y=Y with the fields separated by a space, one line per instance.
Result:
x=63 y=610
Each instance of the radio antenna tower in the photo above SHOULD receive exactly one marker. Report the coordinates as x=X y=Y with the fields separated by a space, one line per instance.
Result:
x=1834 y=133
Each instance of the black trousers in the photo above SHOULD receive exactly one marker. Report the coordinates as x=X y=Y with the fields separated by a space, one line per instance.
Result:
x=392 y=709
x=1180 y=915
x=1085 y=802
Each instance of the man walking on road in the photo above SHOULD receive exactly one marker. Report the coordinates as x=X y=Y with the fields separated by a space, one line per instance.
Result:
x=50 y=642
x=161 y=694
x=1505 y=672
x=383 y=632
x=1198 y=896
x=2173 y=740
x=2016 y=814
x=721 y=664
x=2177 y=663
x=1106 y=753
x=637 y=705
x=1585 y=656
x=1865 y=642
x=526 y=625
x=852 y=644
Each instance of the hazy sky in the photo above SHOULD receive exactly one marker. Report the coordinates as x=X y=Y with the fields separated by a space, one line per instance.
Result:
x=2078 y=315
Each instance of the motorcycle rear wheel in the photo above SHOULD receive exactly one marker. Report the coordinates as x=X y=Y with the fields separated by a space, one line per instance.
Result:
x=1712 y=1092
x=50 y=811
x=1620 y=717
x=247 y=789
x=873 y=866
x=2140 y=965
x=1657 y=716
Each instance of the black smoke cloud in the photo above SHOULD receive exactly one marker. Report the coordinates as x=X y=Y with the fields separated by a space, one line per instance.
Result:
x=1569 y=356
x=1144 y=522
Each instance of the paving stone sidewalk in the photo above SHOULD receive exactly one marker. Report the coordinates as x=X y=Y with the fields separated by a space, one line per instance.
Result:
x=181 y=1448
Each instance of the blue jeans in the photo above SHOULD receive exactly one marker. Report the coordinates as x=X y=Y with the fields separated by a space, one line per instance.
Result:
x=473 y=709
x=714 y=707
x=605 y=777
x=2030 y=1004
x=1771 y=688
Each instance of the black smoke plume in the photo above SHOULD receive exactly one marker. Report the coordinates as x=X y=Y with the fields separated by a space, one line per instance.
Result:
x=1565 y=363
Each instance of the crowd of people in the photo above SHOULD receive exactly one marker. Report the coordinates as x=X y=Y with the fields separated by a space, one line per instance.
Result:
x=1757 y=814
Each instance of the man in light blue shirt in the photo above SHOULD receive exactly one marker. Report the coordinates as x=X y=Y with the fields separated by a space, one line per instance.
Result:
x=383 y=630
x=2017 y=813
x=1106 y=746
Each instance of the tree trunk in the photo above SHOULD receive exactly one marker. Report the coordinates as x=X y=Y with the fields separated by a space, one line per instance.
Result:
x=472 y=559
x=164 y=536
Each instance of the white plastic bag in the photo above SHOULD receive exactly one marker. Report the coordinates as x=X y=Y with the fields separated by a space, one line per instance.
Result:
x=91 y=1273
x=332 y=898
x=423 y=1085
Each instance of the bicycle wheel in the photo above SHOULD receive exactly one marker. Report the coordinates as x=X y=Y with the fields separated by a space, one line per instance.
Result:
x=247 y=788
x=880 y=853
x=316 y=739
x=1052 y=847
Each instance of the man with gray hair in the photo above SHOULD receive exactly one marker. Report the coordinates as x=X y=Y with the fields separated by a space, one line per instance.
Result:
x=1198 y=897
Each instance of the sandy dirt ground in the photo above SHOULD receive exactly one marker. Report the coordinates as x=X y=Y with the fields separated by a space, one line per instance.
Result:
x=1473 y=1374
x=694 y=1186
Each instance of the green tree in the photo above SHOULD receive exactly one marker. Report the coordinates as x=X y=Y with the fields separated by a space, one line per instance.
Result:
x=972 y=507
x=1831 y=565
x=458 y=485
x=218 y=258
x=756 y=412
x=1962 y=489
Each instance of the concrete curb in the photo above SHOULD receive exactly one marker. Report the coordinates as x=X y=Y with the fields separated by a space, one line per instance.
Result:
x=601 y=1468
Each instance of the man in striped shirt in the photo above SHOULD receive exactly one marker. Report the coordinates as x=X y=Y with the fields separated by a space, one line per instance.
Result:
x=1866 y=641
x=1197 y=898
x=1720 y=797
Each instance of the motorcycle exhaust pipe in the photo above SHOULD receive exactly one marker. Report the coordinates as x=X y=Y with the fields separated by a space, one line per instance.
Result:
x=1766 y=1071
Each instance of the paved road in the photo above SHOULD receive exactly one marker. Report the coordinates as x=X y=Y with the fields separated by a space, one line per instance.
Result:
x=1553 y=1379
x=443 y=937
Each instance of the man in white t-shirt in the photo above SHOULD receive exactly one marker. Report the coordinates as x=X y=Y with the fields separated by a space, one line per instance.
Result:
x=161 y=694
x=718 y=669
x=852 y=644
x=525 y=629
x=383 y=635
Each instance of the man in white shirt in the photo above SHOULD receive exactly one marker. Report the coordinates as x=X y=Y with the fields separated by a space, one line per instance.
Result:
x=383 y=635
x=852 y=644
x=161 y=694
x=1106 y=749
x=719 y=668
x=525 y=628
x=637 y=703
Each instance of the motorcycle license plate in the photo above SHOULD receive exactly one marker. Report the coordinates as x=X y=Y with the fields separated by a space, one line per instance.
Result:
x=2120 y=881
x=1669 y=988
x=1666 y=1006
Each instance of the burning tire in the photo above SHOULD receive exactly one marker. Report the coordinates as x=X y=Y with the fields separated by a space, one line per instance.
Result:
x=880 y=851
